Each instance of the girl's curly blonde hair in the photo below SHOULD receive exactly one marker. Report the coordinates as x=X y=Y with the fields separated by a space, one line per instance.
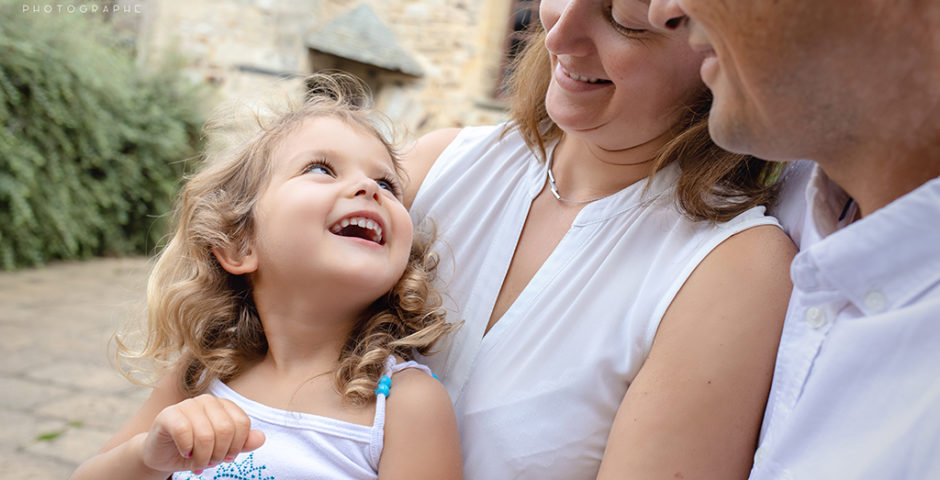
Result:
x=203 y=320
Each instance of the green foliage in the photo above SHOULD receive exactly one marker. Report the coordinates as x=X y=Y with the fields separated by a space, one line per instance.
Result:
x=48 y=436
x=92 y=149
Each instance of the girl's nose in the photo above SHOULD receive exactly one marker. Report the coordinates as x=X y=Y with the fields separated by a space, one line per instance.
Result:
x=366 y=187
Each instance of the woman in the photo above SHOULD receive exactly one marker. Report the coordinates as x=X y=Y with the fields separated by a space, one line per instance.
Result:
x=619 y=323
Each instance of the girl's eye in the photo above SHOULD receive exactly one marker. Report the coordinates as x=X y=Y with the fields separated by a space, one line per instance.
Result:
x=389 y=184
x=320 y=167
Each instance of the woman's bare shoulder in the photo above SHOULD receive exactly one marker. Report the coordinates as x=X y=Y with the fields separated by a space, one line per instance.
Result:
x=418 y=158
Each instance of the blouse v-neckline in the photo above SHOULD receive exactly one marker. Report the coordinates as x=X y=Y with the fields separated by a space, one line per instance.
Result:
x=596 y=212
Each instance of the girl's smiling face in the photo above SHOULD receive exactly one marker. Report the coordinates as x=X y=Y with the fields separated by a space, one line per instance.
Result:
x=330 y=222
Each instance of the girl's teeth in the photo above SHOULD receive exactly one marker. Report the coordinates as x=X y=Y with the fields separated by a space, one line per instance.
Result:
x=362 y=223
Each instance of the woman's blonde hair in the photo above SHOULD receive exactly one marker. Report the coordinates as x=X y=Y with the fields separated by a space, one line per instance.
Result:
x=713 y=184
x=202 y=318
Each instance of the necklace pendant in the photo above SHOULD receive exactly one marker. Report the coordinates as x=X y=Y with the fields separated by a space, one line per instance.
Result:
x=554 y=188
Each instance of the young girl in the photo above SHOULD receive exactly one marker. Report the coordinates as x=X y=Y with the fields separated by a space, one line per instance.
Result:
x=289 y=304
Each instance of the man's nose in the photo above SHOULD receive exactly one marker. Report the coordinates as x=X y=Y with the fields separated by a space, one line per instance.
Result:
x=666 y=14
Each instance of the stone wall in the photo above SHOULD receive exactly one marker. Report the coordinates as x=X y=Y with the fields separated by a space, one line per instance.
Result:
x=243 y=46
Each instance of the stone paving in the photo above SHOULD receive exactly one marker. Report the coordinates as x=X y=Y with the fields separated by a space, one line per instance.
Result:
x=60 y=396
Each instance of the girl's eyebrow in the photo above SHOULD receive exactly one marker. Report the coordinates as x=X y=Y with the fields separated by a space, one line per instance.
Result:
x=390 y=170
x=318 y=153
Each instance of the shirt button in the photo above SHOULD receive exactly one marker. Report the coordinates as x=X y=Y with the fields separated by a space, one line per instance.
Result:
x=815 y=317
x=875 y=301
x=758 y=456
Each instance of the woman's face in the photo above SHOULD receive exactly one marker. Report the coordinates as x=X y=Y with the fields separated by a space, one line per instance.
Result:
x=616 y=81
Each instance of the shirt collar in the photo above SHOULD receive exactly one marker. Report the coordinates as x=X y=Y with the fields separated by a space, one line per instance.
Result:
x=884 y=260
x=827 y=203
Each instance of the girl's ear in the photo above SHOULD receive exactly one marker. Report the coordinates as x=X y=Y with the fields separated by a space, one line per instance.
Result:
x=235 y=262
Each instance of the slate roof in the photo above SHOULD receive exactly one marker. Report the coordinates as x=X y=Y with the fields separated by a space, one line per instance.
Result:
x=361 y=36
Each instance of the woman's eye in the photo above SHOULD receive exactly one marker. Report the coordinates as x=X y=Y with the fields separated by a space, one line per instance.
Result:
x=623 y=29
x=320 y=167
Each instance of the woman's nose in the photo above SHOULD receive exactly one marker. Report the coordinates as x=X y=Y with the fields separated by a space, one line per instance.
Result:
x=567 y=26
x=666 y=14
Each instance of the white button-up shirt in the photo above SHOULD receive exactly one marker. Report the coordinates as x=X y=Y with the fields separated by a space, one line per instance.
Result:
x=856 y=389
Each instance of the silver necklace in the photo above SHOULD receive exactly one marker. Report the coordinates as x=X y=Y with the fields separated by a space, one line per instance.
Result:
x=554 y=187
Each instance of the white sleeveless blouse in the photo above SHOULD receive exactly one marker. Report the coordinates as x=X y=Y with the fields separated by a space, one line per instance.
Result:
x=536 y=397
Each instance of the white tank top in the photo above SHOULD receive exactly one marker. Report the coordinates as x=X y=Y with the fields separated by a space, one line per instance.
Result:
x=536 y=397
x=301 y=446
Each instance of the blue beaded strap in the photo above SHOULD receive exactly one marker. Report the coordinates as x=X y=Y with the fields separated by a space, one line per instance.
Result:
x=385 y=384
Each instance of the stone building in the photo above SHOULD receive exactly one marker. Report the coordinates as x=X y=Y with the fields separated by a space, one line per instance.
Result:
x=431 y=63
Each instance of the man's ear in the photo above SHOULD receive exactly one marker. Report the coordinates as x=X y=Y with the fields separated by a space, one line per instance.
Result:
x=235 y=262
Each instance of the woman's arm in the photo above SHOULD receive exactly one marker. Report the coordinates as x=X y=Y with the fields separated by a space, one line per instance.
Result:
x=419 y=158
x=421 y=440
x=695 y=408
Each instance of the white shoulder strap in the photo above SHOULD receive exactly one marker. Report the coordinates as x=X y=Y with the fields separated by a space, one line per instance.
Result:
x=392 y=366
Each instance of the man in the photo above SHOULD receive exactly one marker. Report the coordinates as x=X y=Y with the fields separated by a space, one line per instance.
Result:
x=855 y=86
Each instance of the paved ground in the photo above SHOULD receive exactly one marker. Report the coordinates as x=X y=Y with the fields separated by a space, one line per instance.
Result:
x=60 y=398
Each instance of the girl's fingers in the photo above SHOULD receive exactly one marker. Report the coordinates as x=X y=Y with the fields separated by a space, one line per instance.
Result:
x=242 y=426
x=203 y=433
x=223 y=428
x=178 y=427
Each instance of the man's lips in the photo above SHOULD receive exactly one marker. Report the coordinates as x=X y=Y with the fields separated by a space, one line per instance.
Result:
x=699 y=43
x=698 y=39
x=701 y=46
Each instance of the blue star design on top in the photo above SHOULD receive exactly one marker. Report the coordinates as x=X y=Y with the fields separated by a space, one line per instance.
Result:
x=243 y=470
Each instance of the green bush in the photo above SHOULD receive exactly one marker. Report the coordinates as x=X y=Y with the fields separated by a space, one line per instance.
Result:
x=92 y=149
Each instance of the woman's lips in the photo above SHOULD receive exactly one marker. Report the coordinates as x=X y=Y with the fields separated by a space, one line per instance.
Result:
x=576 y=82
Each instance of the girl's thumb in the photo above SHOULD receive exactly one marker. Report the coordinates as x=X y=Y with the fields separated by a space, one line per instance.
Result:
x=254 y=440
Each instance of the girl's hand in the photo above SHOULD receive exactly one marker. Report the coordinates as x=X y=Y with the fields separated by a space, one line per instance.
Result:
x=198 y=433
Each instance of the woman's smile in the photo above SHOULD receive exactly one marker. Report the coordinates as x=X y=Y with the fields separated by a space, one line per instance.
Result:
x=574 y=82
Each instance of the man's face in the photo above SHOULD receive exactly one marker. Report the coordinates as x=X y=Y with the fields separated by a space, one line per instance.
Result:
x=806 y=79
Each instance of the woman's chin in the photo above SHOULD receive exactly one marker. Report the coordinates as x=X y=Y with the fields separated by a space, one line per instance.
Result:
x=573 y=113
x=573 y=119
